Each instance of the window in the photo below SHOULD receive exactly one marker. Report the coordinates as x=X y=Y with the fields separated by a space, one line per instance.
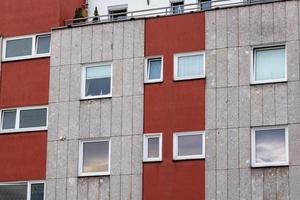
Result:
x=118 y=12
x=269 y=64
x=24 y=119
x=152 y=147
x=96 y=81
x=94 y=158
x=269 y=147
x=22 y=191
x=177 y=7
x=25 y=47
x=189 y=66
x=204 y=4
x=154 y=70
x=188 y=145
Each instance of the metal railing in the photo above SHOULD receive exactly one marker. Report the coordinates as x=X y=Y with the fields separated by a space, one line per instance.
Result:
x=163 y=11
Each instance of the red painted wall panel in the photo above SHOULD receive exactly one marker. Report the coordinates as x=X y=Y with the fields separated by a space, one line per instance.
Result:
x=25 y=83
x=23 y=156
x=174 y=106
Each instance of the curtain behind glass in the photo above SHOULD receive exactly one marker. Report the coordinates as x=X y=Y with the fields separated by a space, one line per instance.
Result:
x=33 y=118
x=43 y=44
x=154 y=69
x=19 y=47
x=9 y=119
x=190 y=66
x=270 y=64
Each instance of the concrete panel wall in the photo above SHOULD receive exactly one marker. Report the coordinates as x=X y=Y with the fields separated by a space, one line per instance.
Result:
x=233 y=105
x=119 y=118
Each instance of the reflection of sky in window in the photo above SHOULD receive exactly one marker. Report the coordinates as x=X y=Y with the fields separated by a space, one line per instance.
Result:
x=189 y=145
x=95 y=156
x=270 y=145
x=153 y=147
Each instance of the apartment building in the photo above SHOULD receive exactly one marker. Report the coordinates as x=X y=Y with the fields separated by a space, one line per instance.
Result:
x=197 y=103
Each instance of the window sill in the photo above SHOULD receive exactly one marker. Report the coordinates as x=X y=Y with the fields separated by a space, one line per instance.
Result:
x=268 y=82
x=95 y=97
x=153 y=160
x=26 y=57
x=24 y=130
x=153 y=81
x=188 y=78
x=279 y=164
x=178 y=158
x=82 y=175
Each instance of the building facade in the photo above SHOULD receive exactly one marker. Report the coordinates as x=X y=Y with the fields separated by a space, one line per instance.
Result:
x=186 y=105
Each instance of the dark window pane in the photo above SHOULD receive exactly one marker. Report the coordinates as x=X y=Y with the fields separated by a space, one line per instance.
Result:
x=19 y=47
x=33 y=118
x=153 y=147
x=177 y=7
x=189 y=145
x=37 y=191
x=43 y=44
x=13 y=192
x=118 y=14
x=9 y=119
x=95 y=156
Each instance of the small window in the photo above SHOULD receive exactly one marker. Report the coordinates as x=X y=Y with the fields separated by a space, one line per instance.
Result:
x=189 y=66
x=22 y=191
x=177 y=7
x=97 y=81
x=269 y=147
x=154 y=70
x=94 y=158
x=204 y=4
x=24 y=119
x=188 y=145
x=26 y=47
x=269 y=64
x=118 y=14
x=152 y=147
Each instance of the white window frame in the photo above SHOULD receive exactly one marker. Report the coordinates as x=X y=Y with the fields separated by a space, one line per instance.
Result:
x=33 y=47
x=17 y=121
x=29 y=183
x=80 y=164
x=188 y=157
x=253 y=151
x=146 y=74
x=175 y=60
x=253 y=62
x=83 y=81
x=145 y=152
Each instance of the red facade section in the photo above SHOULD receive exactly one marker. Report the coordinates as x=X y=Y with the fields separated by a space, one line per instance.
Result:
x=174 y=106
x=23 y=156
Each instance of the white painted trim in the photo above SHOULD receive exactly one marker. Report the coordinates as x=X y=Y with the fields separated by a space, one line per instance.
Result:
x=146 y=72
x=145 y=147
x=175 y=64
x=83 y=81
x=253 y=61
x=17 y=121
x=80 y=163
x=187 y=157
x=253 y=152
x=33 y=48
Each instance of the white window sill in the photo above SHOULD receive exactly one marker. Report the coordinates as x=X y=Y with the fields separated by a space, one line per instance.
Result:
x=24 y=130
x=153 y=81
x=193 y=157
x=152 y=160
x=96 y=97
x=272 y=164
x=26 y=57
x=268 y=81
x=93 y=174
x=189 y=78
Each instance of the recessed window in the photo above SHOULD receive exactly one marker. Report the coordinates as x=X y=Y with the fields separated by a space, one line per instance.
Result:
x=96 y=81
x=25 y=47
x=188 y=145
x=24 y=119
x=189 y=66
x=154 y=70
x=204 y=4
x=94 y=158
x=269 y=147
x=152 y=147
x=22 y=191
x=117 y=12
x=177 y=7
x=269 y=64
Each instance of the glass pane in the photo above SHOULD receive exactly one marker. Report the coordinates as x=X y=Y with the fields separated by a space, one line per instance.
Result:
x=190 y=65
x=153 y=147
x=270 y=64
x=9 y=119
x=37 y=191
x=43 y=44
x=95 y=156
x=154 y=69
x=177 y=7
x=13 y=192
x=270 y=145
x=98 y=81
x=19 y=47
x=190 y=145
x=33 y=118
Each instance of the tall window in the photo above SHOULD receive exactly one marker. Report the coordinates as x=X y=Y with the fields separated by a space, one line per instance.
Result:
x=269 y=64
x=22 y=191
x=96 y=81
x=269 y=146
x=154 y=70
x=94 y=158
x=152 y=147
x=177 y=7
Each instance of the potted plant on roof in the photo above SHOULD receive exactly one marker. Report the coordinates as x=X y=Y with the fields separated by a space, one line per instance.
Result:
x=77 y=15
x=96 y=15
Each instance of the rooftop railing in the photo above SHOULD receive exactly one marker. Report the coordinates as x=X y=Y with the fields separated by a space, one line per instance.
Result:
x=163 y=11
